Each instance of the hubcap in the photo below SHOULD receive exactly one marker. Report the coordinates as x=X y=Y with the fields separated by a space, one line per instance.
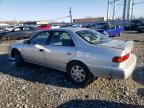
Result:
x=78 y=73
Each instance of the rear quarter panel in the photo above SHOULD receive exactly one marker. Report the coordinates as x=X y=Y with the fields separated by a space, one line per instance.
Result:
x=102 y=56
x=97 y=55
x=98 y=59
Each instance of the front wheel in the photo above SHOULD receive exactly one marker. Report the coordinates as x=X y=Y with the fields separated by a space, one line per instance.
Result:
x=19 y=62
x=120 y=34
x=79 y=74
x=5 y=38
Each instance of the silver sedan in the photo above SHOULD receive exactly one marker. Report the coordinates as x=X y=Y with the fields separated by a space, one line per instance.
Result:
x=83 y=53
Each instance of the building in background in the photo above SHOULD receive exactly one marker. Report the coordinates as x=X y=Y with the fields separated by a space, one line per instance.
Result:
x=29 y=23
x=4 y=24
x=86 y=20
x=44 y=22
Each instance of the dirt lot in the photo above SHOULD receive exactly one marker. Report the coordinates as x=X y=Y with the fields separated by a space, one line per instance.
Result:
x=37 y=87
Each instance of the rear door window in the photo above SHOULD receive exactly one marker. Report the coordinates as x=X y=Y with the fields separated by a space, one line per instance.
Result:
x=61 y=39
x=17 y=29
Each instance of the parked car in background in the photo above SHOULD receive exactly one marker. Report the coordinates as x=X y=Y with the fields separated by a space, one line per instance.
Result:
x=67 y=25
x=53 y=26
x=134 y=25
x=43 y=27
x=77 y=26
x=115 y=31
x=84 y=54
x=71 y=26
x=107 y=28
x=140 y=29
x=21 y=32
x=1 y=29
x=9 y=28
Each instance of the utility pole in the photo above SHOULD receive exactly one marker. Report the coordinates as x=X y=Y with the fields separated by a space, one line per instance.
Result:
x=70 y=12
x=133 y=4
x=114 y=5
x=124 y=10
x=114 y=8
x=132 y=9
x=108 y=5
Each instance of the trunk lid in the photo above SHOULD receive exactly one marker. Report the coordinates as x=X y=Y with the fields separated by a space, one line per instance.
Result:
x=117 y=44
x=126 y=46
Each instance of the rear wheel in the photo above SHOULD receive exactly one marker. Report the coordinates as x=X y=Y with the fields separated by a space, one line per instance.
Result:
x=19 y=62
x=79 y=74
x=120 y=34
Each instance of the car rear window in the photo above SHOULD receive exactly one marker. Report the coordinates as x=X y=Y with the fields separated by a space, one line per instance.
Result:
x=93 y=37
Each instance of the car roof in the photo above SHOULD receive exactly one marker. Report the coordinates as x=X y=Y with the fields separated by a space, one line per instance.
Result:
x=68 y=29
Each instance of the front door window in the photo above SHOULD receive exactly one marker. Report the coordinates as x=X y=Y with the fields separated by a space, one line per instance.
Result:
x=41 y=38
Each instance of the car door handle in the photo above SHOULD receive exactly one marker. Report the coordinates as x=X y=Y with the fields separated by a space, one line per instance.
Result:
x=69 y=53
x=41 y=50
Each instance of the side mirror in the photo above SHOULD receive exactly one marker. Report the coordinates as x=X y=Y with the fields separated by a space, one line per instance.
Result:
x=26 y=41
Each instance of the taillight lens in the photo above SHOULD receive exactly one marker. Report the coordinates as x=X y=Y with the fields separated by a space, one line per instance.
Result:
x=120 y=59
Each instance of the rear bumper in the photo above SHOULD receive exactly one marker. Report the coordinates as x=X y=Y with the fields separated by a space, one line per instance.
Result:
x=114 y=73
x=126 y=72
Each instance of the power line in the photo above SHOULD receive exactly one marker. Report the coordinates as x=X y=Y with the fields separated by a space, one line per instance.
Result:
x=132 y=6
x=139 y=3
x=133 y=3
x=60 y=18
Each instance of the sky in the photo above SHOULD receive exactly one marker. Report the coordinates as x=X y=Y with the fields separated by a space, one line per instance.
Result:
x=34 y=10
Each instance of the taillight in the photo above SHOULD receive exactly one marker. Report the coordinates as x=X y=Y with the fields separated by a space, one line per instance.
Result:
x=120 y=59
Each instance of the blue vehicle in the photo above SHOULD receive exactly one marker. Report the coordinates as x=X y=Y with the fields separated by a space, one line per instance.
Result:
x=114 y=31
x=108 y=29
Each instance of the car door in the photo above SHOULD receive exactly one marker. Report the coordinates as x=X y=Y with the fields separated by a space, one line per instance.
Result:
x=60 y=50
x=34 y=51
x=15 y=33
x=27 y=32
x=113 y=31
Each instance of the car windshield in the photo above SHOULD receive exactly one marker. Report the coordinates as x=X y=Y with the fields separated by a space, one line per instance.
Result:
x=93 y=37
x=102 y=26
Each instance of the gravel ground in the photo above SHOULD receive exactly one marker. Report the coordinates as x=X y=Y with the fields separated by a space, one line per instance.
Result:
x=37 y=87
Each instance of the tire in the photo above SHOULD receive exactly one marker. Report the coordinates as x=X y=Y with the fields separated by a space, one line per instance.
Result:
x=119 y=34
x=5 y=38
x=142 y=30
x=19 y=62
x=139 y=31
x=86 y=78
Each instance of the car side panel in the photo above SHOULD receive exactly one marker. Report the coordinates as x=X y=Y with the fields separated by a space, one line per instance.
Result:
x=58 y=56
